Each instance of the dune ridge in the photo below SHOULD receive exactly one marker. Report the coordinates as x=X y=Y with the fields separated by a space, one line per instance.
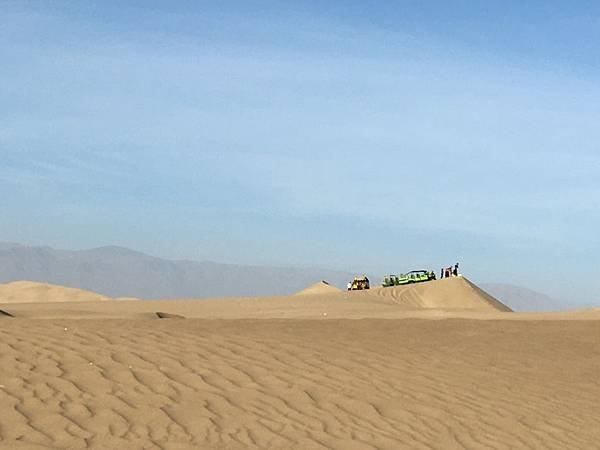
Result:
x=320 y=288
x=34 y=292
x=448 y=293
x=433 y=299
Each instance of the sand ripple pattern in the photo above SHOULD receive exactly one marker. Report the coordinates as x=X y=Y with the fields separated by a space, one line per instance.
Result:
x=348 y=384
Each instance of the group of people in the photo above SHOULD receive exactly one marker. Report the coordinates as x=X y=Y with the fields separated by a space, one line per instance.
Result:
x=450 y=271
x=359 y=284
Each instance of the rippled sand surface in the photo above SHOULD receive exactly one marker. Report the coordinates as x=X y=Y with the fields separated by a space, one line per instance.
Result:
x=299 y=383
x=432 y=366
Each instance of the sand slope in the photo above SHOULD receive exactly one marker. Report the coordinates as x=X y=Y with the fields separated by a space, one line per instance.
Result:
x=444 y=298
x=408 y=384
x=160 y=375
x=33 y=292
x=320 y=288
x=450 y=294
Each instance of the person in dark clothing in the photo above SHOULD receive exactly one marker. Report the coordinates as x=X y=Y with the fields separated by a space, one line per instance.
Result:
x=442 y=273
x=455 y=271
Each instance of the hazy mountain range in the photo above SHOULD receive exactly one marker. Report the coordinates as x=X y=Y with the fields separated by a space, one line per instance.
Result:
x=121 y=272
x=522 y=299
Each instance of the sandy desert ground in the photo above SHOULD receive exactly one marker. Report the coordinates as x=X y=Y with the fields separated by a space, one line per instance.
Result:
x=436 y=365
x=32 y=292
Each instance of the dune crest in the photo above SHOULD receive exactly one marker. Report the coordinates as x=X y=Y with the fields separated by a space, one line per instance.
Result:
x=4 y=313
x=453 y=297
x=456 y=293
x=33 y=292
x=322 y=287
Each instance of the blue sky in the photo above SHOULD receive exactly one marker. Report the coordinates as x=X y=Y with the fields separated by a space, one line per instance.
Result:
x=367 y=136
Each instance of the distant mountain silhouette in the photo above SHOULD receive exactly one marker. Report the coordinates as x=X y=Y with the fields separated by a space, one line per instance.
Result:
x=121 y=272
x=521 y=299
x=7 y=245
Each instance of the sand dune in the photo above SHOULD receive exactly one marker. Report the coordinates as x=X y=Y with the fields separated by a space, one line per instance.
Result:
x=449 y=297
x=33 y=292
x=159 y=374
x=448 y=293
x=320 y=288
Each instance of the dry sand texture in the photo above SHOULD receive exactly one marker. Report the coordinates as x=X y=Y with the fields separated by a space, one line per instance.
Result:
x=142 y=382
x=32 y=292
x=452 y=296
x=320 y=288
